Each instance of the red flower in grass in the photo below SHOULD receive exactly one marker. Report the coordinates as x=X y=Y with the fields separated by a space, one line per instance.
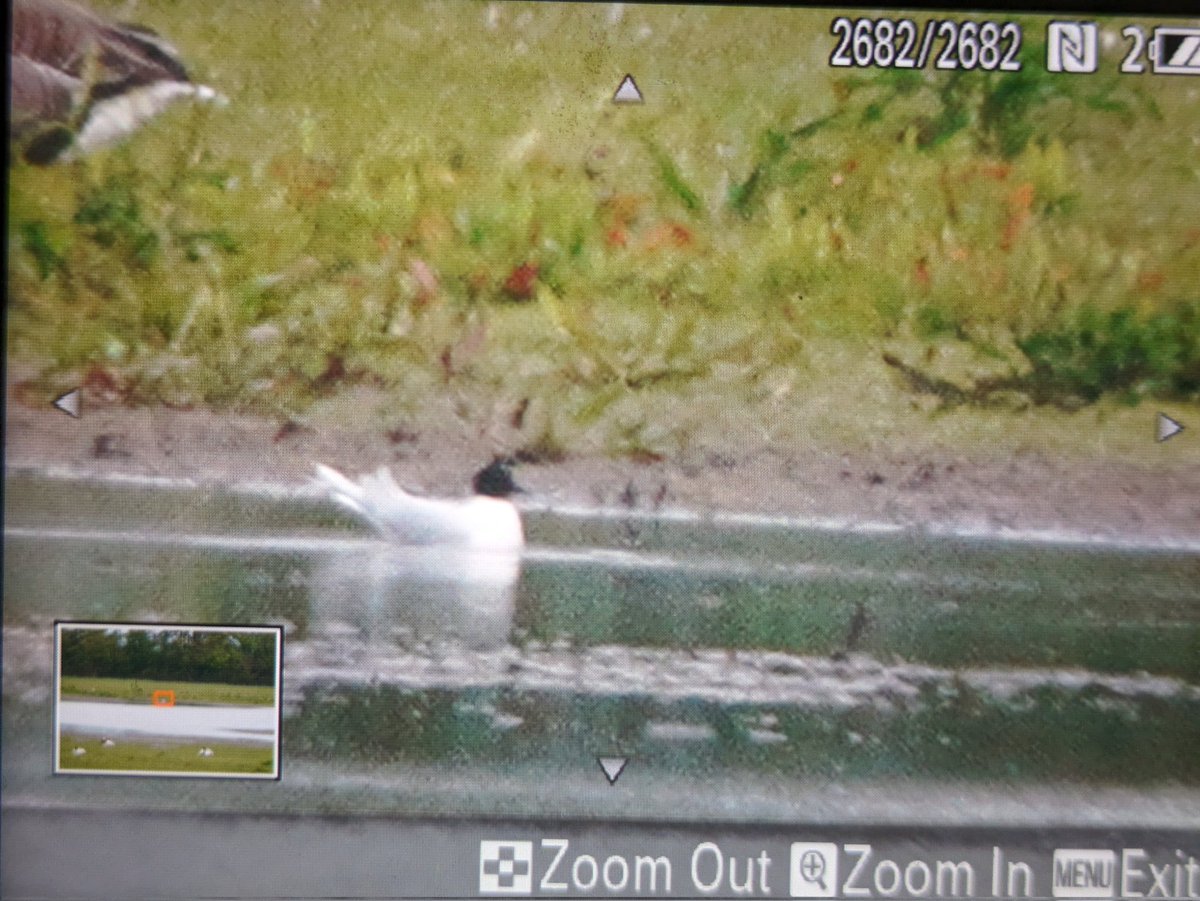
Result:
x=520 y=282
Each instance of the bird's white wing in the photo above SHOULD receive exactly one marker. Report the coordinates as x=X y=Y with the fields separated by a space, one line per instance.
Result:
x=347 y=493
x=477 y=522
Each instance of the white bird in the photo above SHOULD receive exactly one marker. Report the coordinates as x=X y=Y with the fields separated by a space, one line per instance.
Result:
x=78 y=752
x=486 y=521
x=79 y=82
x=108 y=742
x=447 y=574
x=205 y=752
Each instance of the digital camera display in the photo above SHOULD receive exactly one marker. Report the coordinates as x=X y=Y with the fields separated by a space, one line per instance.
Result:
x=548 y=449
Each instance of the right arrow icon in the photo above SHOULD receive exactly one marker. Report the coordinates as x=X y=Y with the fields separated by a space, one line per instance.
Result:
x=1167 y=428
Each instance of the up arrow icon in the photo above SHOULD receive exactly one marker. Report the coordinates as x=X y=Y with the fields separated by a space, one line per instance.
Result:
x=627 y=91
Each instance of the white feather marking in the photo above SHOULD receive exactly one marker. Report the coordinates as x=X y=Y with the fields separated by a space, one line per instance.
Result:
x=477 y=522
x=112 y=119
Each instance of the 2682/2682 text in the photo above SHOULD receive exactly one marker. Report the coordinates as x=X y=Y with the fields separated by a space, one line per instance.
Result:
x=948 y=44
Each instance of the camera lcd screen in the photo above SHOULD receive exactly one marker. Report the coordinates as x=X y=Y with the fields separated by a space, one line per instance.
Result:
x=555 y=449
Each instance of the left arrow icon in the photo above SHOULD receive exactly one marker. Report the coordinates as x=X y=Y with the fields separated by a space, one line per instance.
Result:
x=69 y=403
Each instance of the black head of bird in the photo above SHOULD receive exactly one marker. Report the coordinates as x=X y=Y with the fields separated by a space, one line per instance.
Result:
x=496 y=479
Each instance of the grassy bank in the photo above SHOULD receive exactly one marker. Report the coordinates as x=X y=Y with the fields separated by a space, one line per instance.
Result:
x=140 y=690
x=442 y=206
x=154 y=755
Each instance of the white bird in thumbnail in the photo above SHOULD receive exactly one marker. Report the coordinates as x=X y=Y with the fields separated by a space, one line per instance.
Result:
x=78 y=752
x=205 y=752
x=486 y=521
x=108 y=742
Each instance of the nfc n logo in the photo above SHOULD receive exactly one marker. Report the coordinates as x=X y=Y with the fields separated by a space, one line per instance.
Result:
x=1071 y=47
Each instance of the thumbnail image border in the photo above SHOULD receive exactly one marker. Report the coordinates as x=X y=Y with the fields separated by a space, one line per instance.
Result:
x=277 y=764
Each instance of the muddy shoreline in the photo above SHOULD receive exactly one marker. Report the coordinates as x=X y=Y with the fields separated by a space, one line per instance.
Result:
x=926 y=488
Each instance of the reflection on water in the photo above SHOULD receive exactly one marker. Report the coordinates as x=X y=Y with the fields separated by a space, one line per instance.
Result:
x=215 y=722
x=772 y=653
x=409 y=595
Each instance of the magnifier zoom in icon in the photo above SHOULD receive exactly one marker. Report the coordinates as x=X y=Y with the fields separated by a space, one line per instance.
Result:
x=812 y=868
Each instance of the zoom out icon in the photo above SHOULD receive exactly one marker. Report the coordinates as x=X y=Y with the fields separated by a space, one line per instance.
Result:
x=814 y=870
x=505 y=868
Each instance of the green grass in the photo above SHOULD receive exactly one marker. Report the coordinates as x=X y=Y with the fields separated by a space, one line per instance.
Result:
x=140 y=690
x=1151 y=354
x=159 y=756
x=369 y=227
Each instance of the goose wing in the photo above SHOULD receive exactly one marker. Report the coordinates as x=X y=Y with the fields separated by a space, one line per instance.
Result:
x=73 y=71
x=73 y=40
x=39 y=93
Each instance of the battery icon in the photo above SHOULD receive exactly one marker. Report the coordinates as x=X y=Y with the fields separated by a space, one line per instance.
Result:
x=1175 y=51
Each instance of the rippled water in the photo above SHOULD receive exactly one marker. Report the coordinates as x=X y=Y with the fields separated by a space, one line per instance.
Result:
x=749 y=652
x=212 y=722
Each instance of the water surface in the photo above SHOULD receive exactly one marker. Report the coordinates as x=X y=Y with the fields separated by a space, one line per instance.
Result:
x=762 y=661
